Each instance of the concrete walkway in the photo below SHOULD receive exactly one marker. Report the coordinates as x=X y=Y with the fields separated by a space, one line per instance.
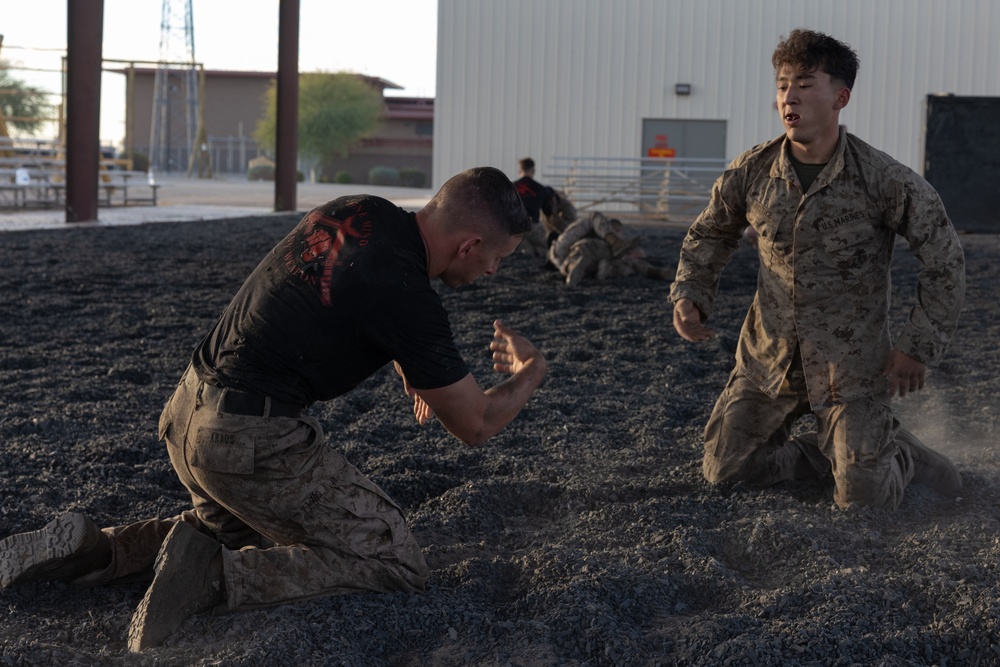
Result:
x=227 y=196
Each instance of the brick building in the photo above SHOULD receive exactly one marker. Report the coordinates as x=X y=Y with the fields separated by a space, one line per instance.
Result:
x=234 y=102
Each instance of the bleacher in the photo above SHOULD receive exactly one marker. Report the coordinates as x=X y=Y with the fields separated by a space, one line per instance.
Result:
x=651 y=188
x=33 y=175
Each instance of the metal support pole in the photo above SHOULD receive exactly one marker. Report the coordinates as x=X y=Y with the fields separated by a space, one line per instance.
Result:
x=84 y=36
x=287 y=137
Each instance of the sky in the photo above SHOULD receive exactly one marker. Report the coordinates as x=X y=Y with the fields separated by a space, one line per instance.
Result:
x=395 y=40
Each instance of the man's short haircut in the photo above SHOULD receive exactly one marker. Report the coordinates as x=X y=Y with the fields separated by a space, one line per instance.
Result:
x=809 y=50
x=485 y=194
x=526 y=164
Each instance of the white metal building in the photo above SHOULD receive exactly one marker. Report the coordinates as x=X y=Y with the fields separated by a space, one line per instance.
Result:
x=548 y=78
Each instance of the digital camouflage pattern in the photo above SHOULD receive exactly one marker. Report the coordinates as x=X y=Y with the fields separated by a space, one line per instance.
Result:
x=824 y=281
x=581 y=250
x=297 y=520
x=595 y=224
x=749 y=438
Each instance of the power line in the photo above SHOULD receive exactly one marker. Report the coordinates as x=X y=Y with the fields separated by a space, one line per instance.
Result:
x=35 y=48
x=32 y=69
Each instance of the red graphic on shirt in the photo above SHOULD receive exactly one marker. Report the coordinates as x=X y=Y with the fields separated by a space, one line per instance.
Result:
x=314 y=252
x=524 y=190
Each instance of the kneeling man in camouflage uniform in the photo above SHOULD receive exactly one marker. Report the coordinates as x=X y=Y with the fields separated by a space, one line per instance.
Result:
x=826 y=208
x=278 y=515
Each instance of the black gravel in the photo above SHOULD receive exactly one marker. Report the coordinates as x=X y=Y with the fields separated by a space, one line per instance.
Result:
x=581 y=535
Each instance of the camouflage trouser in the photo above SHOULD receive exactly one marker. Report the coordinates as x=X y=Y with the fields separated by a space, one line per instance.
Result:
x=296 y=519
x=595 y=226
x=748 y=438
x=593 y=257
x=584 y=259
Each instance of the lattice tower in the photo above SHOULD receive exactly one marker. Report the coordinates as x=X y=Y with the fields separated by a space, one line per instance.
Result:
x=175 y=90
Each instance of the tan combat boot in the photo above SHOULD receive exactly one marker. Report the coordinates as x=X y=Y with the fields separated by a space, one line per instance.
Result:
x=68 y=547
x=931 y=468
x=188 y=581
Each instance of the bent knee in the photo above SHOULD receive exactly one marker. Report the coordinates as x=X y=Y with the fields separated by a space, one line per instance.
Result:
x=720 y=471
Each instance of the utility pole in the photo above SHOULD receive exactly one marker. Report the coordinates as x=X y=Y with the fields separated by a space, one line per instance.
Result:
x=286 y=141
x=84 y=39
x=200 y=156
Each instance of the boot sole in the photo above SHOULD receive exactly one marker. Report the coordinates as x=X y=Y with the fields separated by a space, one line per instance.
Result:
x=41 y=555
x=183 y=560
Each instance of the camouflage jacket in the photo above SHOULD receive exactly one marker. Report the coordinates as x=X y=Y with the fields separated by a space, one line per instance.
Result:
x=595 y=225
x=824 y=281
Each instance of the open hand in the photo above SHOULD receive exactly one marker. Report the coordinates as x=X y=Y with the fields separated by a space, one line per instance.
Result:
x=905 y=373
x=511 y=351
x=421 y=410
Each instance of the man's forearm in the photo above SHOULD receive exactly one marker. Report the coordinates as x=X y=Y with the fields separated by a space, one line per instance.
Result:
x=506 y=400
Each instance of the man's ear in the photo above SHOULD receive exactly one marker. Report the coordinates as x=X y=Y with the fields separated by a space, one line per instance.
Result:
x=467 y=245
x=843 y=97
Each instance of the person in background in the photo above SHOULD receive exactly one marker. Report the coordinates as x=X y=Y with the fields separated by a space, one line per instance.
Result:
x=562 y=217
x=596 y=246
x=538 y=200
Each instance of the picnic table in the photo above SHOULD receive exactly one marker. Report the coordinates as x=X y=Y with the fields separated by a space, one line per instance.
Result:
x=33 y=174
x=21 y=187
x=116 y=186
x=44 y=187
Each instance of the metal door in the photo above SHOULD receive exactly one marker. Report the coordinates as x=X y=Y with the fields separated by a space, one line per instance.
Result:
x=962 y=158
x=679 y=138
x=681 y=160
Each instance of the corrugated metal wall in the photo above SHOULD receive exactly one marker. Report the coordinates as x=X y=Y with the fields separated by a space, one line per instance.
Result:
x=552 y=78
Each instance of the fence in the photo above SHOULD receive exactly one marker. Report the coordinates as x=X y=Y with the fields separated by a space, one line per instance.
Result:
x=659 y=188
x=229 y=155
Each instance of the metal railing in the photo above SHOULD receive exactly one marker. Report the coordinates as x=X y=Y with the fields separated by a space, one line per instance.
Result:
x=659 y=188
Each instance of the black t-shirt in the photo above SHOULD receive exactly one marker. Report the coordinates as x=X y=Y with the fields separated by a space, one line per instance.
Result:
x=537 y=198
x=342 y=295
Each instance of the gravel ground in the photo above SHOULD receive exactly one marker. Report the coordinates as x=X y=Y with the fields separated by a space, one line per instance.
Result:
x=581 y=535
